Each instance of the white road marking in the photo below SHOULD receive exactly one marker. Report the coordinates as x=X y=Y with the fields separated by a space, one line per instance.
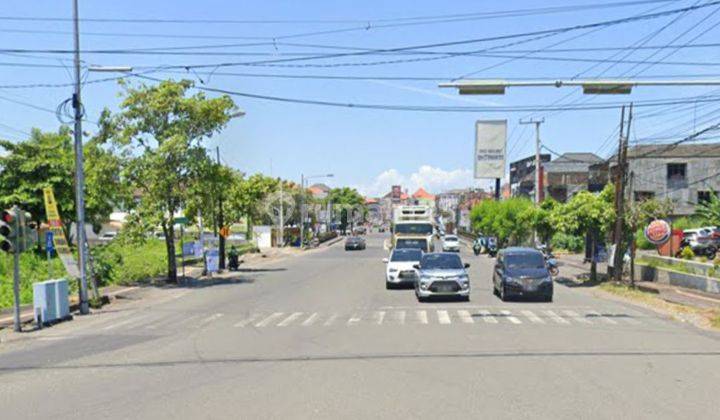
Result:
x=379 y=317
x=532 y=317
x=247 y=321
x=354 y=319
x=509 y=317
x=310 y=320
x=289 y=320
x=400 y=317
x=422 y=317
x=126 y=322
x=487 y=317
x=465 y=316
x=210 y=319
x=557 y=318
x=330 y=320
x=443 y=317
x=171 y=318
x=605 y=319
x=269 y=319
x=576 y=317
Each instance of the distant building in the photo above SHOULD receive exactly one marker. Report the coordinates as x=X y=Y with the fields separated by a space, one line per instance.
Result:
x=688 y=174
x=319 y=191
x=423 y=197
x=568 y=174
x=522 y=175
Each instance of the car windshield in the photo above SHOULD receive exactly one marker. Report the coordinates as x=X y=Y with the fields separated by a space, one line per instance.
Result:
x=411 y=243
x=420 y=228
x=524 y=261
x=441 y=261
x=403 y=255
x=450 y=239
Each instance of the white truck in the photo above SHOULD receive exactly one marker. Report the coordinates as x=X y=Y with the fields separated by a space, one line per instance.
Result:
x=413 y=227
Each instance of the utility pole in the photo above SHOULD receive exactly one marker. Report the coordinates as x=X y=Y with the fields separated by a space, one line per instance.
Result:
x=633 y=227
x=281 y=242
x=538 y=187
x=302 y=209
x=79 y=172
x=620 y=195
x=220 y=219
x=16 y=269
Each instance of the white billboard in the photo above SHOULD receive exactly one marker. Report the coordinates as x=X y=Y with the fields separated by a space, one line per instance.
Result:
x=490 y=139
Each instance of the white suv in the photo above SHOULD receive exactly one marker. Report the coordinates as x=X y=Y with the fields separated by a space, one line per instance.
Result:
x=400 y=268
x=451 y=243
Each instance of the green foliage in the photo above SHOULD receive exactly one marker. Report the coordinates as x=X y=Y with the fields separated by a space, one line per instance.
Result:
x=683 y=223
x=161 y=129
x=507 y=219
x=541 y=218
x=572 y=243
x=245 y=196
x=33 y=268
x=47 y=160
x=586 y=212
x=687 y=253
x=709 y=211
x=641 y=241
x=346 y=196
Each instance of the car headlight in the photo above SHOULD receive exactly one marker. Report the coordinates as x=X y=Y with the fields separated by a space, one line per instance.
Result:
x=512 y=280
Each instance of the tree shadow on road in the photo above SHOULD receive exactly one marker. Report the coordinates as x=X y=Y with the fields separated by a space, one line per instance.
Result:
x=583 y=280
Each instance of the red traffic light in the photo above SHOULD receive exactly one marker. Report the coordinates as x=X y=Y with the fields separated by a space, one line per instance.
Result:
x=7 y=217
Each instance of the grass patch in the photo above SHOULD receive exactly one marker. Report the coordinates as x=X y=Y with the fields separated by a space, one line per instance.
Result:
x=710 y=318
x=33 y=268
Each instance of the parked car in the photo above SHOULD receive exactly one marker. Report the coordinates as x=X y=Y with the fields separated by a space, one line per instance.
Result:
x=400 y=268
x=442 y=274
x=108 y=236
x=522 y=272
x=360 y=230
x=701 y=241
x=451 y=243
x=354 y=243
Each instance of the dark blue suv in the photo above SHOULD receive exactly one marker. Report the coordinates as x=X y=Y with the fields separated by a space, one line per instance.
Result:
x=522 y=272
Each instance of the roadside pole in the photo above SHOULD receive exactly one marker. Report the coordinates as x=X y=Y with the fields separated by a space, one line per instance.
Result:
x=620 y=197
x=16 y=269
x=281 y=242
x=497 y=189
x=220 y=220
x=633 y=228
x=302 y=210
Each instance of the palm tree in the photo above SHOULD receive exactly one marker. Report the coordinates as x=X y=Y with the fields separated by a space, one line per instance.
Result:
x=710 y=210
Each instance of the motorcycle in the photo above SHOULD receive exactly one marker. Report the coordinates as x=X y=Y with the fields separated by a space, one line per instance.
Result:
x=550 y=260
x=492 y=247
x=233 y=262
x=477 y=248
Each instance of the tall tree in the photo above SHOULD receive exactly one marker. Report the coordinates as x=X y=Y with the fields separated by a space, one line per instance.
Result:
x=46 y=159
x=163 y=128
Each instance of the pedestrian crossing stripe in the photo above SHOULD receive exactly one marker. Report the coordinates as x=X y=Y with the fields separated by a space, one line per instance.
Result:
x=436 y=317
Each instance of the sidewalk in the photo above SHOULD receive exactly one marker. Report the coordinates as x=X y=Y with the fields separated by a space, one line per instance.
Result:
x=669 y=293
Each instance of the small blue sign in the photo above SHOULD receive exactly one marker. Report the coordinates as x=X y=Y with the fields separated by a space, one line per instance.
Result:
x=49 y=244
x=212 y=260
x=188 y=249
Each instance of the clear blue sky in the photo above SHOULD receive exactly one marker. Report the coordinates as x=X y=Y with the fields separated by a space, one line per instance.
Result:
x=369 y=149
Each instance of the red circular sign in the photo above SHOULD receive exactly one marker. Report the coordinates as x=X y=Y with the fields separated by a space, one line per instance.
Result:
x=658 y=232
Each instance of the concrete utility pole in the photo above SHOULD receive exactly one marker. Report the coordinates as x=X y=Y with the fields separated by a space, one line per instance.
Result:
x=16 y=268
x=302 y=209
x=79 y=171
x=281 y=242
x=538 y=187
x=620 y=194
x=220 y=219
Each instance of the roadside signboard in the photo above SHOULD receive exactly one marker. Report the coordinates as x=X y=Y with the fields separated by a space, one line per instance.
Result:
x=212 y=260
x=490 y=139
x=61 y=245
x=188 y=249
x=49 y=245
x=657 y=232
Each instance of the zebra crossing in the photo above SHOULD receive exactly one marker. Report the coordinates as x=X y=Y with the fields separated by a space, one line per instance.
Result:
x=443 y=317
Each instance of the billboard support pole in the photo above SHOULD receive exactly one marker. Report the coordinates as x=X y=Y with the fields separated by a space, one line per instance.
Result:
x=497 y=189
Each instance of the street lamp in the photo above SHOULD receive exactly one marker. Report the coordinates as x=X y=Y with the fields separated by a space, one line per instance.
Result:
x=303 y=180
x=590 y=86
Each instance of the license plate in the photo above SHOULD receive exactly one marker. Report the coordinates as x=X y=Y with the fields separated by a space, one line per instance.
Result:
x=445 y=289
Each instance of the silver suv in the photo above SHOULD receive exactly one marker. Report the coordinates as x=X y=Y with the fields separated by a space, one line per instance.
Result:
x=442 y=274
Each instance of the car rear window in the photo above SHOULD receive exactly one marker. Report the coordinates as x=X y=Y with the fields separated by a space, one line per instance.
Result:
x=441 y=261
x=406 y=255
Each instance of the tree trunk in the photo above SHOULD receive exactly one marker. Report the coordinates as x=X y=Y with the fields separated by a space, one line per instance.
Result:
x=170 y=245
x=593 y=259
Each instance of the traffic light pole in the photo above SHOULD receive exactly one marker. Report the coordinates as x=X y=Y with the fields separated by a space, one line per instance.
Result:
x=16 y=271
x=79 y=172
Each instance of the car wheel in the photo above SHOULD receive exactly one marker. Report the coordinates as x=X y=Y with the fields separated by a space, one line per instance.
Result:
x=503 y=294
x=548 y=298
x=465 y=298
x=389 y=286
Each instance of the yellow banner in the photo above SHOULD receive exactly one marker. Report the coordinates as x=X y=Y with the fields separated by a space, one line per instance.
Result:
x=55 y=224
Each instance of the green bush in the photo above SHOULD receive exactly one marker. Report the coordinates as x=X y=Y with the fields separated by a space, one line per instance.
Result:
x=568 y=242
x=33 y=268
x=683 y=223
x=642 y=242
x=687 y=253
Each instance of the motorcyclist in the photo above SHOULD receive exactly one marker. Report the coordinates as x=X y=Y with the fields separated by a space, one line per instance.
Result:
x=233 y=258
x=478 y=244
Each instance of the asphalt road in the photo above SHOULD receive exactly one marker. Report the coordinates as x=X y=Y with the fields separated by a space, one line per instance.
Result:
x=318 y=336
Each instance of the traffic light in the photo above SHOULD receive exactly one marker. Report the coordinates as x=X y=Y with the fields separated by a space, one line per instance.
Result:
x=8 y=232
x=17 y=231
